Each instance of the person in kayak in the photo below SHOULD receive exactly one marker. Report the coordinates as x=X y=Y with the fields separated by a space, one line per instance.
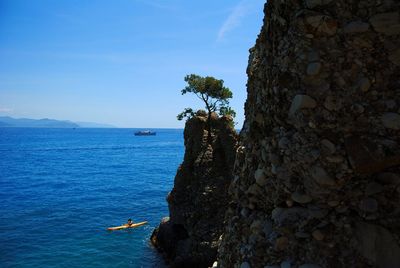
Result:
x=129 y=223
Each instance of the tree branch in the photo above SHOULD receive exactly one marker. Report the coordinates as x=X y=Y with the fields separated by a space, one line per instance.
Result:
x=206 y=102
x=199 y=96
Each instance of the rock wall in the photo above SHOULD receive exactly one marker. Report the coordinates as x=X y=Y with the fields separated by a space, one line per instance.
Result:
x=317 y=175
x=198 y=201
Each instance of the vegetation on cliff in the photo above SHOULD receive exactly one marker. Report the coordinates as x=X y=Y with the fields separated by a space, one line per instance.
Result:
x=212 y=93
x=197 y=203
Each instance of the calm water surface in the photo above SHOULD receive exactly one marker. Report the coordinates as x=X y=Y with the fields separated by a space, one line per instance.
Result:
x=61 y=188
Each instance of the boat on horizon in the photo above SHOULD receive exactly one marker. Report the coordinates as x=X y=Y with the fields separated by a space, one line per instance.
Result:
x=145 y=133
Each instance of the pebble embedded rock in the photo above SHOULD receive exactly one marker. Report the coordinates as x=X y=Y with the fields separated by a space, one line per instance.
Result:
x=322 y=24
x=309 y=265
x=245 y=265
x=329 y=146
x=391 y=120
x=254 y=189
x=369 y=205
x=394 y=57
x=260 y=177
x=386 y=23
x=373 y=188
x=377 y=244
x=285 y=264
x=317 y=3
x=335 y=159
x=318 y=235
x=320 y=175
x=314 y=68
x=364 y=84
x=302 y=235
x=389 y=178
x=356 y=27
x=333 y=203
x=281 y=243
x=301 y=102
x=301 y=198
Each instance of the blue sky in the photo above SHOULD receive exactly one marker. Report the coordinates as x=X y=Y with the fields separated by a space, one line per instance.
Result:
x=121 y=62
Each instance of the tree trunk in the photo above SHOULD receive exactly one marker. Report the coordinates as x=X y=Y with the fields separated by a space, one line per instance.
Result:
x=209 y=136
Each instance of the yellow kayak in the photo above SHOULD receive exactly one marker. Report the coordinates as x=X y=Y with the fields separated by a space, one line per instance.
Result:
x=125 y=226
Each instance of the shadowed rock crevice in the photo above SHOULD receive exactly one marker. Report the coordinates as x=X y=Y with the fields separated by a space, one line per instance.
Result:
x=198 y=201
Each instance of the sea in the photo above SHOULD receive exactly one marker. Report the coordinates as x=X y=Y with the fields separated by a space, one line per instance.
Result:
x=61 y=188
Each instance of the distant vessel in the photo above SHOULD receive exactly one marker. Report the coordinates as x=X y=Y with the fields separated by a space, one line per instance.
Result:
x=145 y=133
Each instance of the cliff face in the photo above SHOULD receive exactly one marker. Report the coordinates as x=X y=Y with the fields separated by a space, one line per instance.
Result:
x=197 y=203
x=317 y=178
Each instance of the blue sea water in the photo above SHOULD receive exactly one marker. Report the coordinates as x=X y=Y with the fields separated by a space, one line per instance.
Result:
x=61 y=188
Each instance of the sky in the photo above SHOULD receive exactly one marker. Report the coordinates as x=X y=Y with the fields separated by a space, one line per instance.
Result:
x=121 y=62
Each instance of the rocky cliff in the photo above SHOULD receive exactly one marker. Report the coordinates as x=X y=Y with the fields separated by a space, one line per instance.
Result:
x=317 y=176
x=198 y=201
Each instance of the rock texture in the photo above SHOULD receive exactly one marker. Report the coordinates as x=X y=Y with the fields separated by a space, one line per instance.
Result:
x=317 y=178
x=198 y=201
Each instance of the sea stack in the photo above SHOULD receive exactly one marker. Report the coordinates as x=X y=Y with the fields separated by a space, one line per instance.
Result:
x=197 y=203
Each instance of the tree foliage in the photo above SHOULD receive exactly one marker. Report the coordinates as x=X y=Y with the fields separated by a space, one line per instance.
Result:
x=211 y=92
x=227 y=111
x=187 y=113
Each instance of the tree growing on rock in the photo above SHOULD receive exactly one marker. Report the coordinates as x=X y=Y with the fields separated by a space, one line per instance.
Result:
x=211 y=92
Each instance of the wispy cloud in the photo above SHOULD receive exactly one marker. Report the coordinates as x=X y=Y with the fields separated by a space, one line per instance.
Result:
x=242 y=9
x=5 y=110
